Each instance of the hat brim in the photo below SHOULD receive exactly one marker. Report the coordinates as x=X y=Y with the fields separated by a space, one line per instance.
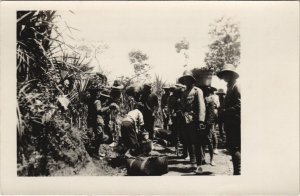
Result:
x=213 y=89
x=187 y=76
x=119 y=88
x=221 y=73
x=179 y=86
x=104 y=95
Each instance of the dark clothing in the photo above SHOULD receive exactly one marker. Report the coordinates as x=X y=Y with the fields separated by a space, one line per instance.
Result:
x=95 y=123
x=165 y=100
x=236 y=160
x=150 y=103
x=134 y=91
x=232 y=115
x=129 y=135
x=193 y=110
x=191 y=138
x=210 y=113
x=149 y=122
x=220 y=118
x=206 y=139
x=165 y=109
x=232 y=123
x=176 y=119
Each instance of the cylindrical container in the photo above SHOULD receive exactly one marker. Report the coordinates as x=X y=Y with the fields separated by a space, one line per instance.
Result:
x=145 y=135
x=203 y=77
x=146 y=166
x=146 y=146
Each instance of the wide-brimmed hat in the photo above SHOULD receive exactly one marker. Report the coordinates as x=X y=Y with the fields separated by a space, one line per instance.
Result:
x=117 y=86
x=228 y=68
x=147 y=86
x=220 y=91
x=167 y=87
x=180 y=86
x=187 y=74
x=172 y=88
x=105 y=93
x=212 y=89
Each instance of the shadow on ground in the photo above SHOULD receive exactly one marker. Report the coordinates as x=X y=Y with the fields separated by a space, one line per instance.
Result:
x=173 y=162
x=181 y=170
x=205 y=173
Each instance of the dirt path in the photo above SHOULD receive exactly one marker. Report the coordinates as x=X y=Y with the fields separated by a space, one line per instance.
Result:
x=111 y=166
x=181 y=167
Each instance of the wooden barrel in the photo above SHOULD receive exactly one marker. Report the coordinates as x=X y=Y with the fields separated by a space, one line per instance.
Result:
x=147 y=166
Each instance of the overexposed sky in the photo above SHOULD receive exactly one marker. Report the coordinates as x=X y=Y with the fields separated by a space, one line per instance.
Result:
x=151 y=29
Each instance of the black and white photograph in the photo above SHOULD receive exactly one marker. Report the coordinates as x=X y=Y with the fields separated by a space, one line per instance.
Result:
x=145 y=97
x=100 y=93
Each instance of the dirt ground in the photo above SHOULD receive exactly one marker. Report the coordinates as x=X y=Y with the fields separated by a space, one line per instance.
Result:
x=111 y=165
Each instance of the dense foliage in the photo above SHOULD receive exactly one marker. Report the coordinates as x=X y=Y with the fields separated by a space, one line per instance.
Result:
x=224 y=47
x=51 y=86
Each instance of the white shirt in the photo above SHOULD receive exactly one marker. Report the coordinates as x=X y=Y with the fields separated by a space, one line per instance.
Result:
x=136 y=117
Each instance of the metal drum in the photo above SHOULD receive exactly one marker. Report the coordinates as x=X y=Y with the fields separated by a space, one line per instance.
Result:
x=147 y=166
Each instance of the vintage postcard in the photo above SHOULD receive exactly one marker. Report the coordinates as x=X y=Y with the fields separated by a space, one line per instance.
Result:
x=162 y=97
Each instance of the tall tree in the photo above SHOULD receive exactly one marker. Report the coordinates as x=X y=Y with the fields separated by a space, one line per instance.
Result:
x=183 y=47
x=225 y=44
x=141 y=68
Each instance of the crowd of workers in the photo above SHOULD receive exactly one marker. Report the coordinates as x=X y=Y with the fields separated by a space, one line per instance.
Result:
x=191 y=112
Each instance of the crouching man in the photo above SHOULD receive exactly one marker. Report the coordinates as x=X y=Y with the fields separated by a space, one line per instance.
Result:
x=131 y=127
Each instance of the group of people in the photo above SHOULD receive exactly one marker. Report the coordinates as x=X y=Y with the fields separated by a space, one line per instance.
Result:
x=191 y=112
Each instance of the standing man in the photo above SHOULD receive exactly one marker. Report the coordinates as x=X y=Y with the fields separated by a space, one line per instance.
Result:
x=208 y=137
x=193 y=108
x=96 y=122
x=177 y=119
x=116 y=96
x=232 y=115
x=220 y=120
x=164 y=106
x=108 y=108
x=150 y=105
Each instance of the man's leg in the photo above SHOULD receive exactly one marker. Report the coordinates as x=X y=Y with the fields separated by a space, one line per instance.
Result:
x=236 y=161
x=200 y=154
x=166 y=121
x=99 y=138
x=209 y=142
x=130 y=138
x=191 y=131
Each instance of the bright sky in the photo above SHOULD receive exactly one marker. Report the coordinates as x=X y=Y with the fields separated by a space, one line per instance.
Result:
x=151 y=29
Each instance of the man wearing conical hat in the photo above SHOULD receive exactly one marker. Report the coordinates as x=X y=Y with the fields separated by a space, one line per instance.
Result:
x=232 y=115
x=193 y=109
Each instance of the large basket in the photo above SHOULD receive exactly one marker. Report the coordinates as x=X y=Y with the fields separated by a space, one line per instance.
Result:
x=203 y=77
